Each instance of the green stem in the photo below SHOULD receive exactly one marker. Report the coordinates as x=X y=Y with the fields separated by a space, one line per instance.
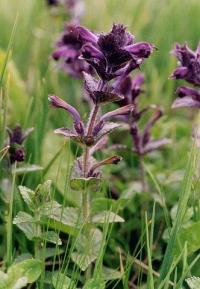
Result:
x=142 y=175
x=10 y=221
x=85 y=197
x=38 y=234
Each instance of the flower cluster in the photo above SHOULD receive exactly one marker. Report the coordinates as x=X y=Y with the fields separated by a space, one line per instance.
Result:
x=143 y=143
x=189 y=70
x=105 y=60
x=68 y=52
x=111 y=55
x=16 y=138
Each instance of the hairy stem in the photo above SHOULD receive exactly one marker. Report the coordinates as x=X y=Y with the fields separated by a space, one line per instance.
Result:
x=92 y=120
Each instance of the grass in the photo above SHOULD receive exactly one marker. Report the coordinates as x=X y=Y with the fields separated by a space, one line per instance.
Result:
x=130 y=249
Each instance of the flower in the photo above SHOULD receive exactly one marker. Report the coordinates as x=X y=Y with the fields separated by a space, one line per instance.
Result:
x=81 y=132
x=68 y=51
x=16 y=139
x=187 y=97
x=113 y=53
x=189 y=64
x=189 y=70
x=131 y=89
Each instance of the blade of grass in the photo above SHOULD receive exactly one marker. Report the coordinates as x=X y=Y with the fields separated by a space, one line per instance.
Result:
x=182 y=206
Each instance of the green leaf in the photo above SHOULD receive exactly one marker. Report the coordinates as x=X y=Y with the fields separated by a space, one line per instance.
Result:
x=51 y=237
x=111 y=274
x=21 y=274
x=191 y=235
x=50 y=252
x=44 y=189
x=62 y=219
x=80 y=184
x=107 y=217
x=83 y=260
x=94 y=283
x=27 y=195
x=88 y=247
x=61 y=281
x=193 y=282
x=26 y=223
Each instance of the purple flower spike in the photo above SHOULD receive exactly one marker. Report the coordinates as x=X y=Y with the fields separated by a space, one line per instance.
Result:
x=15 y=142
x=57 y=102
x=189 y=70
x=85 y=35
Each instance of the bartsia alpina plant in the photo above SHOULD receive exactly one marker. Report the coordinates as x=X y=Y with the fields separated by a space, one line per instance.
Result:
x=112 y=56
x=188 y=69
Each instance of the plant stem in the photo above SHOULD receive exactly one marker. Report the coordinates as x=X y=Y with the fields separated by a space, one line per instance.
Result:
x=142 y=175
x=92 y=120
x=10 y=220
x=38 y=234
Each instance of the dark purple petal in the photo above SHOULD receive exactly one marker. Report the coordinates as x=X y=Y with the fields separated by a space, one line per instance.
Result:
x=17 y=155
x=59 y=103
x=60 y=52
x=89 y=51
x=185 y=102
x=180 y=73
x=184 y=54
x=85 y=34
x=188 y=91
x=140 y=49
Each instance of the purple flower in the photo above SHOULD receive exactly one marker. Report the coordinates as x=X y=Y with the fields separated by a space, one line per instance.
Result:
x=189 y=70
x=189 y=64
x=187 y=97
x=81 y=132
x=113 y=53
x=131 y=89
x=68 y=51
x=15 y=142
